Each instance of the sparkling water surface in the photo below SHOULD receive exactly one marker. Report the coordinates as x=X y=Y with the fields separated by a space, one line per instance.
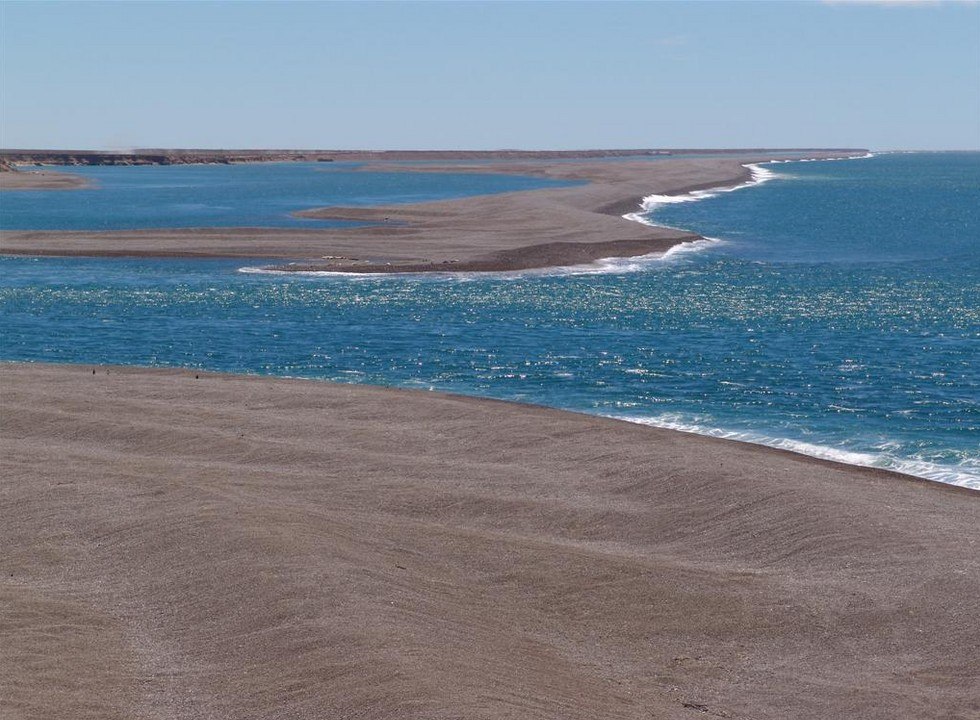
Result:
x=838 y=315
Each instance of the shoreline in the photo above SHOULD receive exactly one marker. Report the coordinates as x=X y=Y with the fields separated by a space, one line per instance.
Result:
x=562 y=564
x=780 y=446
x=20 y=180
x=489 y=233
x=939 y=474
x=757 y=176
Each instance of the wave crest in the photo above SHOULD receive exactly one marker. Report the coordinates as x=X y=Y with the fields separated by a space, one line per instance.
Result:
x=759 y=175
x=964 y=475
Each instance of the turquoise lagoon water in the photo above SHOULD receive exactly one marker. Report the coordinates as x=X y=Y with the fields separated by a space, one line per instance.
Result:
x=837 y=313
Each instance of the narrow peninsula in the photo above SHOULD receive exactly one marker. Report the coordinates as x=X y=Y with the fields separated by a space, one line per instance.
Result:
x=510 y=231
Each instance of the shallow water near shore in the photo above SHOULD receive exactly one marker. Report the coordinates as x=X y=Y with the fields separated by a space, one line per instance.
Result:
x=838 y=314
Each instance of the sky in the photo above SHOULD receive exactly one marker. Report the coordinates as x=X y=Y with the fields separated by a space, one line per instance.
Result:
x=490 y=75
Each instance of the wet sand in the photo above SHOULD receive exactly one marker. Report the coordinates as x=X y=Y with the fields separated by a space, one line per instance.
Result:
x=226 y=547
x=509 y=231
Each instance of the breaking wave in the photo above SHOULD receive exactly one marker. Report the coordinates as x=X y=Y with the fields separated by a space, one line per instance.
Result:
x=966 y=474
x=759 y=175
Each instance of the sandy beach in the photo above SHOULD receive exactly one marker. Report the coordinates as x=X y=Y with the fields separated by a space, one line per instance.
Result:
x=509 y=231
x=181 y=544
x=40 y=180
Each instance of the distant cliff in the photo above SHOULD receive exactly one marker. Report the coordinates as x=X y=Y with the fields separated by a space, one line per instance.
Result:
x=153 y=157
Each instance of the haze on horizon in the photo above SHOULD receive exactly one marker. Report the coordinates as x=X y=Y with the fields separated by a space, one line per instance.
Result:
x=477 y=75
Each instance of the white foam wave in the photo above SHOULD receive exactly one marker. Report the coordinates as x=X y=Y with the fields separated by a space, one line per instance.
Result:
x=964 y=475
x=826 y=159
x=759 y=175
x=619 y=265
x=315 y=273
x=693 y=246
x=602 y=266
x=652 y=202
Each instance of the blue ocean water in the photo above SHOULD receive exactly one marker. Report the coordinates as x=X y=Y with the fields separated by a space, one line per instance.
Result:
x=249 y=195
x=838 y=314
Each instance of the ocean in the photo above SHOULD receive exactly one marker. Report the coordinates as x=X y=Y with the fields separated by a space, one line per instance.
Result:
x=834 y=311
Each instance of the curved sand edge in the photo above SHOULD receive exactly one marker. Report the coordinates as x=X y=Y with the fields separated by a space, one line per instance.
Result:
x=520 y=230
x=227 y=546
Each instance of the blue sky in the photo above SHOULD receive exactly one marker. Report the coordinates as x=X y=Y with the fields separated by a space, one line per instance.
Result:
x=490 y=75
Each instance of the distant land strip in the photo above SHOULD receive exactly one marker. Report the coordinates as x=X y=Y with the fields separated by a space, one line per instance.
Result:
x=15 y=157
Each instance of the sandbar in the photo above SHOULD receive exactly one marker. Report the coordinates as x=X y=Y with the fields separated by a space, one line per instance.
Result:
x=507 y=231
x=40 y=180
x=195 y=545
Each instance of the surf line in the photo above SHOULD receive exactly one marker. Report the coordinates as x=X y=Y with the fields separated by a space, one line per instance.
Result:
x=959 y=475
x=759 y=175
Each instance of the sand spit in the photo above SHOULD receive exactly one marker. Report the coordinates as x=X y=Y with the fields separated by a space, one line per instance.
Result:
x=181 y=544
x=509 y=231
x=40 y=180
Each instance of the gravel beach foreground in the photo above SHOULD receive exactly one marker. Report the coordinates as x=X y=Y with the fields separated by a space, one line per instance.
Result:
x=180 y=544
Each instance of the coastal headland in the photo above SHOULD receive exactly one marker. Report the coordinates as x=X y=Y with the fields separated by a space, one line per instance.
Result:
x=508 y=231
x=182 y=544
